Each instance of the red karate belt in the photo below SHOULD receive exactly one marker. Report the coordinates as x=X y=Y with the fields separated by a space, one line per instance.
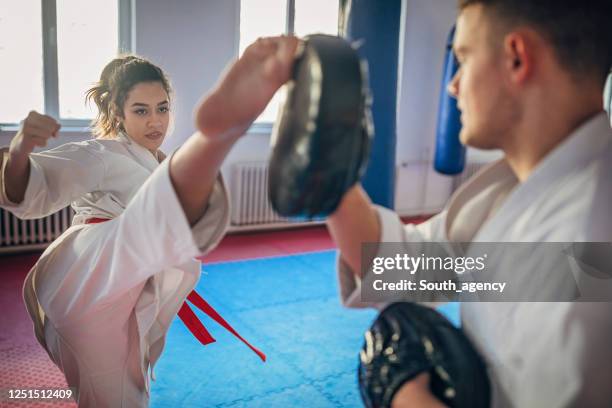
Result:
x=190 y=319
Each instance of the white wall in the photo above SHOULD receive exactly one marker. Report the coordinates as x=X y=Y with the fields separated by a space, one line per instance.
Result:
x=193 y=41
x=426 y=25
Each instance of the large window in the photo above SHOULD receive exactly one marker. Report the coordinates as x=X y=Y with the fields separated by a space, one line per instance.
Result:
x=261 y=18
x=53 y=51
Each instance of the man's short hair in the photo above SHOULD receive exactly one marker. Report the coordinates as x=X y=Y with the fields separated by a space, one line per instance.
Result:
x=580 y=31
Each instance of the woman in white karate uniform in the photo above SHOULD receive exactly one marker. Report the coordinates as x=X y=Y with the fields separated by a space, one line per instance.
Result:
x=103 y=295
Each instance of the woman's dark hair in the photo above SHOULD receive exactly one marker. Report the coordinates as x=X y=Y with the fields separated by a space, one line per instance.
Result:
x=117 y=79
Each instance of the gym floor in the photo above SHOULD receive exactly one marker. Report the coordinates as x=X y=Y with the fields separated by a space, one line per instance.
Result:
x=26 y=365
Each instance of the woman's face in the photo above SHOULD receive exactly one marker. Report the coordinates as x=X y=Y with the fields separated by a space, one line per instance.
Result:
x=146 y=114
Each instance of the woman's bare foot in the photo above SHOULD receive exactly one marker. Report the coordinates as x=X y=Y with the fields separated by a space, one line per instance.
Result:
x=247 y=87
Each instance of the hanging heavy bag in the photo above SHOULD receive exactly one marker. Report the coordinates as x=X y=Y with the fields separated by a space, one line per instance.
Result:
x=321 y=140
x=449 y=156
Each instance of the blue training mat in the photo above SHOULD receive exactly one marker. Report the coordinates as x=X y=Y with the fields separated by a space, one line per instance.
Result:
x=289 y=308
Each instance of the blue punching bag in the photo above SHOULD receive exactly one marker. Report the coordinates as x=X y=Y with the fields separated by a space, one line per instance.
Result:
x=450 y=153
x=375 y=25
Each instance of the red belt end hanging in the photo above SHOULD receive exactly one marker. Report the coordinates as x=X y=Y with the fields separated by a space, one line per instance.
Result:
x=203 y=305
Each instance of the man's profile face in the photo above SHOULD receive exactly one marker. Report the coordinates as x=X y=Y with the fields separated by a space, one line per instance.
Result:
x=486 y=106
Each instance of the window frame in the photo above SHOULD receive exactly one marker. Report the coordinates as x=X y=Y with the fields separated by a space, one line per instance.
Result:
x=264 y=126
x=50 y=60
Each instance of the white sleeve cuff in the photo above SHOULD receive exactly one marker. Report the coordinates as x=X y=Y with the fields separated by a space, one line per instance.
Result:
x=35 y=183
x=392 y=230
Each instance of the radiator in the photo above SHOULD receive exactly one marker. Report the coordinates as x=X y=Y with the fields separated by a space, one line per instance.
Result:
x=249 y=195
x=19 y=235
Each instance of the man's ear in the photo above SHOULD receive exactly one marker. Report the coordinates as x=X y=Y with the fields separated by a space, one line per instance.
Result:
x=519 y=47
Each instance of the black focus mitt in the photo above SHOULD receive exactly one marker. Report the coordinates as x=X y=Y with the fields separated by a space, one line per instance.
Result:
x=321 y=141
x=408 y=339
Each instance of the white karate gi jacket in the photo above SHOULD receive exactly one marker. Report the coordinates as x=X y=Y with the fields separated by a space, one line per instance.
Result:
x=102 y=296
x=538 y=354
